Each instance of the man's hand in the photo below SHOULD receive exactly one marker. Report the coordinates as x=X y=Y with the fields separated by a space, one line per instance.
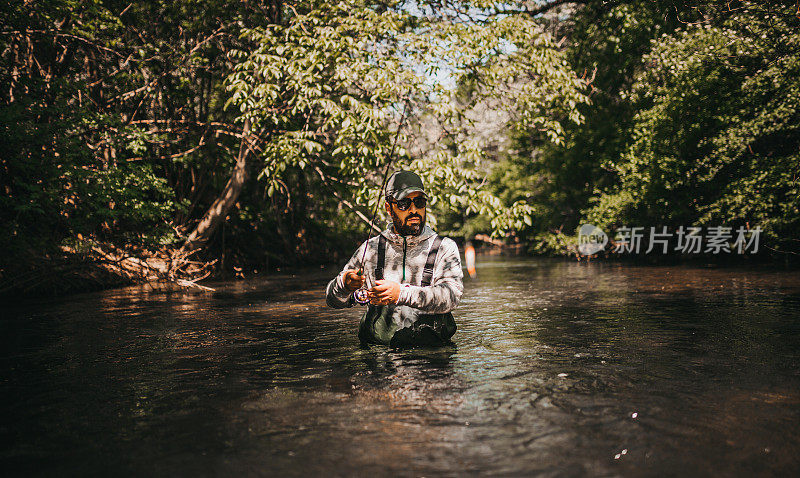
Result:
x=353 y=280
x=385 y=292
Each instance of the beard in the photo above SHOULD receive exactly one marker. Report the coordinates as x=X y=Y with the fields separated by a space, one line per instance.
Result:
x=404 y=228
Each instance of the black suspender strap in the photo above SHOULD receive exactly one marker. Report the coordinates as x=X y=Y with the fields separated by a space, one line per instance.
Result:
x=427 y=273
x=381 y=257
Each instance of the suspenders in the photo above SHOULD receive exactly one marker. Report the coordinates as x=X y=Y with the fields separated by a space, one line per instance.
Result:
x=427 y=272
x=381 y=257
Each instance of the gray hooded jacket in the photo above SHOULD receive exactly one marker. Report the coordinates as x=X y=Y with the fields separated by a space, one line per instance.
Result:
x=405 y=260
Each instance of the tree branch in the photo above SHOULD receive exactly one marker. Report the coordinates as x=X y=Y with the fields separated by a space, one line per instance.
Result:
x=544 y=8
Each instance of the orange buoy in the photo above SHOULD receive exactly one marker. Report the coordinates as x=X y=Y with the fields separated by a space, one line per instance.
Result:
x=469 y=256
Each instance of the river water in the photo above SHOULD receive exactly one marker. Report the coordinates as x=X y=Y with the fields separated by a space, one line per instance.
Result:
x=558 y=369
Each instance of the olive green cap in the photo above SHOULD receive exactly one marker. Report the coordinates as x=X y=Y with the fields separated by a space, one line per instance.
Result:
x=403 y=183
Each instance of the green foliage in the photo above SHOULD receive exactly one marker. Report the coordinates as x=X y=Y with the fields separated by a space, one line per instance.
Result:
x=119 y=128
x=100 y=104
x=329 y=89
x=122 y=129
x=603 y=43
x=715 y=138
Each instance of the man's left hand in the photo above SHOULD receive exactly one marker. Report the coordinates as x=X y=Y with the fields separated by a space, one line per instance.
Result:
x=384 y=292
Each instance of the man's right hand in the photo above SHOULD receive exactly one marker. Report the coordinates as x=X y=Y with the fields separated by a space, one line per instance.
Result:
x=353 y=280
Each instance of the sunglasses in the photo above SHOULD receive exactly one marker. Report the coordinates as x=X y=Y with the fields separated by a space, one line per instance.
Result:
x=419 y=202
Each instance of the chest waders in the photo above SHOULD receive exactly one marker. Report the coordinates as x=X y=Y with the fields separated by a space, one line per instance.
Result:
x=378 y=327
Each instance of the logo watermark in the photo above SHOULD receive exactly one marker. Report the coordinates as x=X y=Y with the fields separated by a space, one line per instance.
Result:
x=591 y=240
x=685 y=240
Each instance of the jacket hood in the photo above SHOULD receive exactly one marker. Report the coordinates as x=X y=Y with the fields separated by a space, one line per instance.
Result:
x=395 y=238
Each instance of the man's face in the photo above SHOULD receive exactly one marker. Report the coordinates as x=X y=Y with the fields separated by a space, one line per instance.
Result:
x=409 y=222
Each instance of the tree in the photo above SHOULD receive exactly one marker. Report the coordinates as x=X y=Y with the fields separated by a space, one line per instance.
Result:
x=715 y=139
x=327 y=89
x=107 y=121
x=121 y=150
x=603 y=43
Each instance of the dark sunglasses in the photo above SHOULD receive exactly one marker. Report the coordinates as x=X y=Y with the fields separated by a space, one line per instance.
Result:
x=419 y=202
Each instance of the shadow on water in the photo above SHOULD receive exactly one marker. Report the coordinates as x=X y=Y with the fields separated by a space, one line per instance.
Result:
x=558 y=369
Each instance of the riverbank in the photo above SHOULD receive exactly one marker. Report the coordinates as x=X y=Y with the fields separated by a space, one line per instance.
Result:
x=92 y=265
x=71 y=270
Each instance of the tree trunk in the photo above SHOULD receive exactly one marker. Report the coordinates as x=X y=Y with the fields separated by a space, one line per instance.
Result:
x=218 y=211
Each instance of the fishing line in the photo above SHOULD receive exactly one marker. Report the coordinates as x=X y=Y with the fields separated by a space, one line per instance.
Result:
x=360 y=295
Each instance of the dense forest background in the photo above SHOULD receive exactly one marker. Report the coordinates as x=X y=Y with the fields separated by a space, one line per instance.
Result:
x=182 y=139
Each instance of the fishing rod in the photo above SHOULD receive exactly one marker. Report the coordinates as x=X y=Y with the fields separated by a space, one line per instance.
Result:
x=361 y=295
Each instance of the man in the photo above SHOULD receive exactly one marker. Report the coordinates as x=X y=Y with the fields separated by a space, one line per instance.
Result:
x=414 y=276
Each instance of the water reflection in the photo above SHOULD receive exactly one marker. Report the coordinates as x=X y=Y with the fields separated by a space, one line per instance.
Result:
x=558 y=368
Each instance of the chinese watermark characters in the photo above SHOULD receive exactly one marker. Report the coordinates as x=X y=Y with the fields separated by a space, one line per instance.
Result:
x=660 y=240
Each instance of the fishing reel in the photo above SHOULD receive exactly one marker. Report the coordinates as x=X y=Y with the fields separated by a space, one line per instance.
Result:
x=361 y=296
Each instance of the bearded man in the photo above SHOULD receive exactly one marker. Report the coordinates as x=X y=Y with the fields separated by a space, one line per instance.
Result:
x=413 y=275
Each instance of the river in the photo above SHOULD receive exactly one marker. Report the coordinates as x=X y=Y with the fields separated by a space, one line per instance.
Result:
x=558 y=369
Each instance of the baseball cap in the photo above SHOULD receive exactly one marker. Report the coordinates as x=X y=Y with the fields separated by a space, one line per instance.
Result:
x=403 y=183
